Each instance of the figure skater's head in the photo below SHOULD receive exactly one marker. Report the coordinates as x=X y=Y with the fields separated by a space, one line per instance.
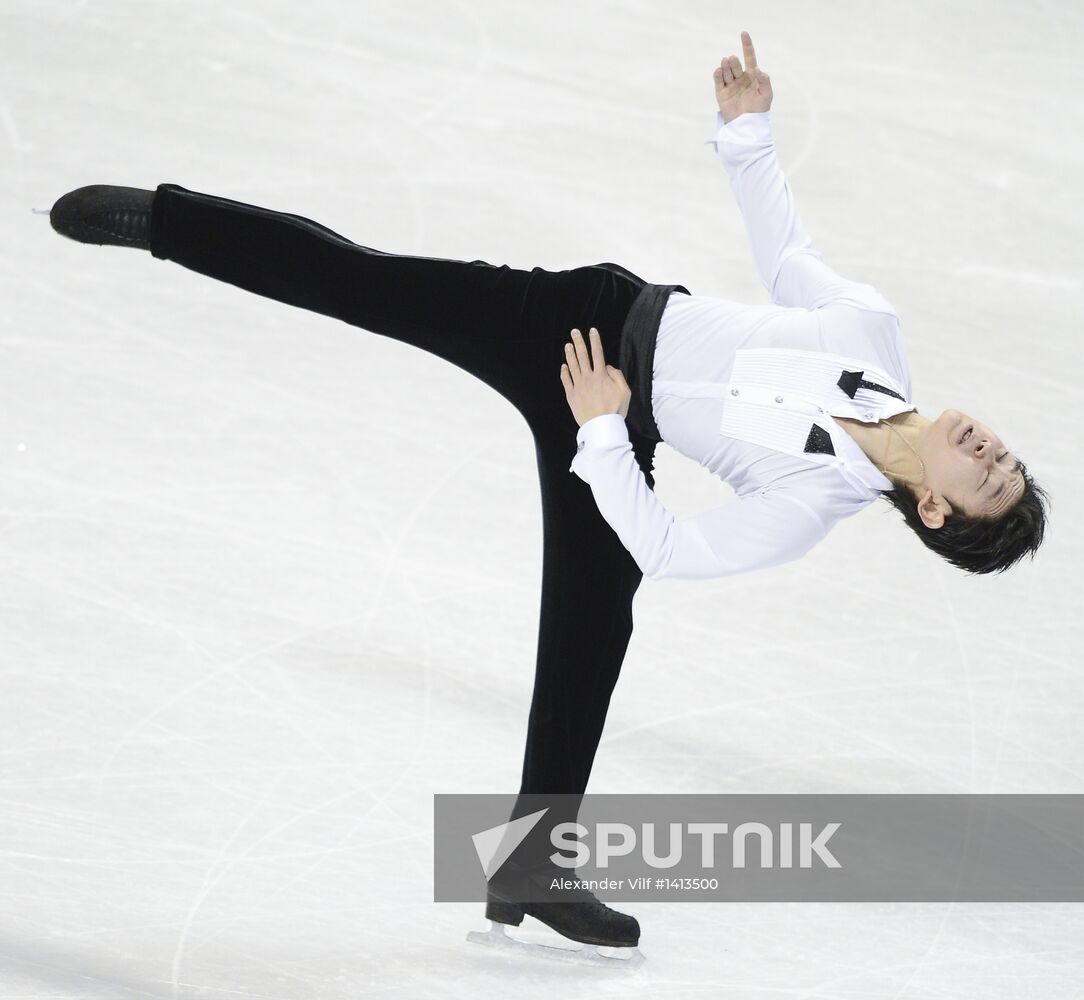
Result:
x=967 y=496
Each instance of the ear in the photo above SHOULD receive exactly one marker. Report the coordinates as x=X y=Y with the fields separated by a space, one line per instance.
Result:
x=931 y=511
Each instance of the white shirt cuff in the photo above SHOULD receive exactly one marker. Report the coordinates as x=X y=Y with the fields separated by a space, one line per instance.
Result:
x=751 y=125
x=607 y=430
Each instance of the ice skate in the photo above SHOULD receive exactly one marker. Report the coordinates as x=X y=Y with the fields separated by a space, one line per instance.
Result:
x=580 y=918
x=105 y=215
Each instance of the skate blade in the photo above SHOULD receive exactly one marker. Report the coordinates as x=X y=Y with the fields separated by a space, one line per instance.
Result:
x=588 y=954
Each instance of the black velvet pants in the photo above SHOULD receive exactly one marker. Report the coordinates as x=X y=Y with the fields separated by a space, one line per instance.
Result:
x=508 y=328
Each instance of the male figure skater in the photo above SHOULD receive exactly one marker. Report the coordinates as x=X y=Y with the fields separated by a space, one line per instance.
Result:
x=803 y=406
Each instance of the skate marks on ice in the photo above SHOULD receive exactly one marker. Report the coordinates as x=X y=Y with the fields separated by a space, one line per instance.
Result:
x=498 y=938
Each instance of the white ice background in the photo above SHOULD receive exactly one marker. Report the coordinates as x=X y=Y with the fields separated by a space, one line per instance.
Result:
x=268 y=581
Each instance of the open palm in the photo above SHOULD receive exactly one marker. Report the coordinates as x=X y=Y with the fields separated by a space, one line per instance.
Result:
x=738 y=90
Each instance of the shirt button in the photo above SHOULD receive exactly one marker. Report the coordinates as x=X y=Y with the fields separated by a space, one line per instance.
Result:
x=579 y=447
x=869 y=415
x=733 y=392
x=779 y=399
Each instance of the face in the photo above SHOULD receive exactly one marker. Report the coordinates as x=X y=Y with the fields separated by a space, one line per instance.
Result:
x=969 y=467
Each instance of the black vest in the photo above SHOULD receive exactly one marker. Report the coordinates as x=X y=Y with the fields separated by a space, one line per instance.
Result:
x=637 y=355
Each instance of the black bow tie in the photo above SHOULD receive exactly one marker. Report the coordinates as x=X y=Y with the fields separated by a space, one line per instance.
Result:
x=851 y=382
x=820 y=440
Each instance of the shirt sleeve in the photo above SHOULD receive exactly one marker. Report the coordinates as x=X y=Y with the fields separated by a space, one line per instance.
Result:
x=757 y=531
x=790 y=268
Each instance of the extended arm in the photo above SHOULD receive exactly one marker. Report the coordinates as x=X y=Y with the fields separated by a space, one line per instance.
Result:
x=792 y=271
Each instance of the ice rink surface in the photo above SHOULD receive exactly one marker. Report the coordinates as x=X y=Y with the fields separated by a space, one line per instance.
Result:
x=268 y=581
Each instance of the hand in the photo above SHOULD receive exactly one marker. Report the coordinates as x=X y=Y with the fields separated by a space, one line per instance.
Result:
x=739 y=91
x=592 y=391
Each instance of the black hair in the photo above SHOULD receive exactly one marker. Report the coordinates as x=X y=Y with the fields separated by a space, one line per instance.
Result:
x=981 y=544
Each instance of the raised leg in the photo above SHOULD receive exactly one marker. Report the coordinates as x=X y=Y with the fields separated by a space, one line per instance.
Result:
x=503 y=325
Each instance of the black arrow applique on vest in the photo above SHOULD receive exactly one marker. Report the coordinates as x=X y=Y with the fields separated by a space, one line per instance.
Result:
x=851 y=382
x=819 y=440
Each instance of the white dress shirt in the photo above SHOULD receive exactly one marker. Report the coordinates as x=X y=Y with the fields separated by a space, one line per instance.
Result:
x=739 y=388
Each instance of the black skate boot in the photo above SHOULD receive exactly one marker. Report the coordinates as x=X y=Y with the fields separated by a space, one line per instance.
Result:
x=105 y=215
x=583 y=918
x=578 y=915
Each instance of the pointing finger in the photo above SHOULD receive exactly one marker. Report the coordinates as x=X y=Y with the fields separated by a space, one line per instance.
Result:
x=747 y=48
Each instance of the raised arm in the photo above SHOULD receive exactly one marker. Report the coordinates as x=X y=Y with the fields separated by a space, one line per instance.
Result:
x=790 y=268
